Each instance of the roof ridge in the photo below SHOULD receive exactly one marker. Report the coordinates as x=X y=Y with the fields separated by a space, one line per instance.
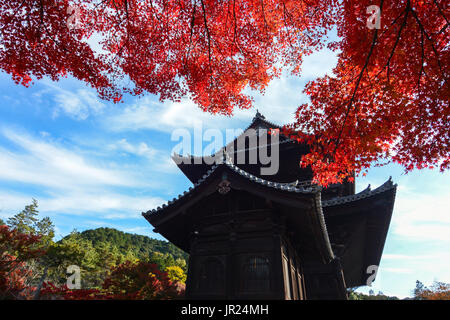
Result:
x=388 y=185
x=296 y=186
x=258 y=116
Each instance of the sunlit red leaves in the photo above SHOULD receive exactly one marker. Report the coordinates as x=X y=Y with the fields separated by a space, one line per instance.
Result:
x=37 y=42
x=437 y=291
x=387 y=98
x=16 y=249
x=51 y=292
x=207 y=49
x=142 y=279
x=128 y=281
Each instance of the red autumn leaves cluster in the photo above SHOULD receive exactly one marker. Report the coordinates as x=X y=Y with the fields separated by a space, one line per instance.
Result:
x=437 y=291
x=208 y=50
x=128 y=281
x=387 y=98
x=16 y=250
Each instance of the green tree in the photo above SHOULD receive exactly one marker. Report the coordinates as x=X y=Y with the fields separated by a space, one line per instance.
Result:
x=141 y=246
x=353 y=296
x=72 y=250
x=46 y=229
x=27 y=222
x=1 y=222
x=164 y=260
x=182 y=264
x=420 y=287
x=175 y=273
x=108 y=256
x=437 y=291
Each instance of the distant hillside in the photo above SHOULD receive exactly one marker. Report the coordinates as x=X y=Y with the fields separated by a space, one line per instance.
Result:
x=142 y=246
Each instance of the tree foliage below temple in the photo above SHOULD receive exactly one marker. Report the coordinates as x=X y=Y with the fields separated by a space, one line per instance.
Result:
x=371 y=296
x=112 y=263
x=141 y=246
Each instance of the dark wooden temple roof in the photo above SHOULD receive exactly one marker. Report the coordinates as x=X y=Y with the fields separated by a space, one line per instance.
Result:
x=295 y=186
x=352 y=227
x=299 y=201
x=195 y=167
x=357 y=226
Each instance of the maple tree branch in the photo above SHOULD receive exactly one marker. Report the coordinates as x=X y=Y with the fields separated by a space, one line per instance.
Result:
x=351 y=71
x=207 y=32
x=440 y=11
x=18 y=8
x=422 y=61
x=235 y=24
x=387 y=64
x=349 y=107
x=154 y=11
x=443 y=28
x=285 y=15
x=126 y=8
x=98 y=4
x=192 y=28
x=430 y=40
x=236 y=38
x=264 y=18
x=42 y=24
x=41 y=16
x=397 y=39
x=420 y=76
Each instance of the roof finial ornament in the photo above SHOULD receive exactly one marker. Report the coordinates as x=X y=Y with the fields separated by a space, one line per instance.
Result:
x=224 y=186
x=224 y=155
x=258 y=115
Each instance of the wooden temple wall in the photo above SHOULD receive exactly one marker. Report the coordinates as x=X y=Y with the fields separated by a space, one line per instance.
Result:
x=243 y=256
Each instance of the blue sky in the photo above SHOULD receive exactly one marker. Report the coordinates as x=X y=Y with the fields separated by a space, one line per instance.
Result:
x=91 y=163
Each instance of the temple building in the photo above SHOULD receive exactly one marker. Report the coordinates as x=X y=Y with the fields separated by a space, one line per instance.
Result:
x=252 y=235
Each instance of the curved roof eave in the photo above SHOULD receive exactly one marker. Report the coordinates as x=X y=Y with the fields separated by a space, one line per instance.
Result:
x=293 y=187
x=366 y=193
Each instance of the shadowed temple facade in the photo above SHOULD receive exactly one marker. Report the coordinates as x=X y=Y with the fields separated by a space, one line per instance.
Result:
x=252 y=235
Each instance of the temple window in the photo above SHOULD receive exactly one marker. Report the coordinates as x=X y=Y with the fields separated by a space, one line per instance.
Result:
x=256 y=274
x=212 y=276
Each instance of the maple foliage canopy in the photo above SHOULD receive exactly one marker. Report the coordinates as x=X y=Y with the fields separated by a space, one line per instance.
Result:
x=16 y=250
x=127 y=281
x=387 y=99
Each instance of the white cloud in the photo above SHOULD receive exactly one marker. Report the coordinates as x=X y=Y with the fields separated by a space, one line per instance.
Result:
x=148 y=114
x=160 y=160
x=319 y=64
x=46 y=164
x=76 y=184
x=398 y=270
x=105 y=205
x=422 y=202
x=278 y=105
x=421 y=215
x=141 y=149
x=78 y=105
x=108 y=205
x=11 y=203
x=404 y=257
